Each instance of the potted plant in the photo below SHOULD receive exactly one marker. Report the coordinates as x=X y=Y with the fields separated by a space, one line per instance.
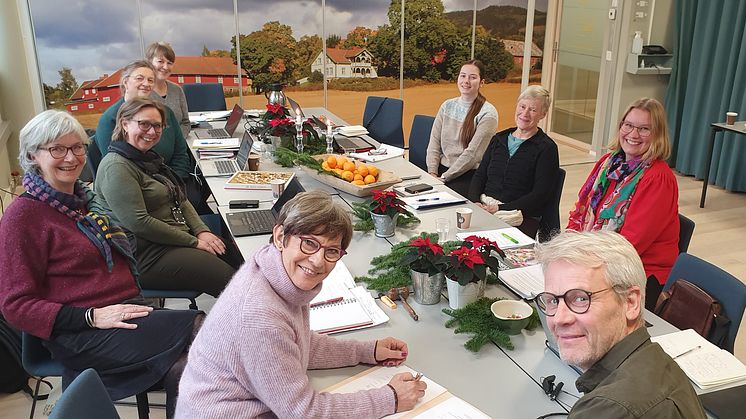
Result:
x=466 y=270
x=425 y=259
x=276 y=123
x=385 y=207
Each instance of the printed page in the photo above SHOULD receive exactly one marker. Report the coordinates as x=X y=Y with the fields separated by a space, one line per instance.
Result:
x=506 y=238
x=336 y=285
x=452 y=408
x=527 y=282
x=369 y=305
x=380 y=376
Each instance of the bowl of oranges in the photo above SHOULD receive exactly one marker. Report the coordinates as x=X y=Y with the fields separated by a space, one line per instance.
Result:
x=356 y=178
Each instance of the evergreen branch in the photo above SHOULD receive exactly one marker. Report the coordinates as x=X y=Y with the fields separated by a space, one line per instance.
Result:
x=477 y=319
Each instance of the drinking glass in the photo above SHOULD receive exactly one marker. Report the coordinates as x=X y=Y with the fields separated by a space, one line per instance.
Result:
x=443 y=227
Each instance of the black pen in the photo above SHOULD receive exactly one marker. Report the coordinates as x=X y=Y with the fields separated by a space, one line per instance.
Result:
x=428 y=199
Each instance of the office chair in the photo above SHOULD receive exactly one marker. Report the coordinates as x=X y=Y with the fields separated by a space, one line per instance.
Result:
x=724 y=287
x=204 y=97
x=550 y=218
x=89 y=172
x=94 y=158
x=38 y=362
x=686 y=230
x=419 y=137
x=85 y=398
x=383 y=120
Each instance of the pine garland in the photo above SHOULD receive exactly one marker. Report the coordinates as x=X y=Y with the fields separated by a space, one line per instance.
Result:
x=477 y=319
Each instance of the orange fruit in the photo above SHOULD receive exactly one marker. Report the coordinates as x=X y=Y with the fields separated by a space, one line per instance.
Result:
x=337 y=171
x=358 y=176
x=358 y=182
x=325 y=166
x=363 y=170
x=349 y=166
x=348 y=176
x=341 y=160
x=369 y=179
x=373 y=170
x=332 y=162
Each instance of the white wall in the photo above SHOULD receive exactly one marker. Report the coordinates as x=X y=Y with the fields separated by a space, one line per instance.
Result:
x=20 y=95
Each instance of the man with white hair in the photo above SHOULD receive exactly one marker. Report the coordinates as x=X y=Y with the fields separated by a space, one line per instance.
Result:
x=594 y=293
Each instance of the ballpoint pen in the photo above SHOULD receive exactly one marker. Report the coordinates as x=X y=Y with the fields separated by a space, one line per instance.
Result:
x=687 y=351
x=321 y=303
x=428 y=199
x=509 y=238
x=418 y=376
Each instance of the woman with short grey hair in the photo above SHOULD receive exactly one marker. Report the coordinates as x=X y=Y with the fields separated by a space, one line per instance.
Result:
x=44 y=128
x=518 y=173
x=263 y=317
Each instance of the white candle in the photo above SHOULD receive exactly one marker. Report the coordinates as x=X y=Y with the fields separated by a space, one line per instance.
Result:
x=298 y=119
x=329 y=128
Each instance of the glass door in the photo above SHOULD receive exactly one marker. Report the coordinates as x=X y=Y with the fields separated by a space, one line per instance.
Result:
x=578 y=48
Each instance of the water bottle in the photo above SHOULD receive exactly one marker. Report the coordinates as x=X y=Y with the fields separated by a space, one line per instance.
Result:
x=637 y=43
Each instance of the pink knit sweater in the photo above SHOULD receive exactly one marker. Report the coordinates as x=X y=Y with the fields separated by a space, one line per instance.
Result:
x=251 y=355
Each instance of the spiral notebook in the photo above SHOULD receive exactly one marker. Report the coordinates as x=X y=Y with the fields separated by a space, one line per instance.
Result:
x=342 y=306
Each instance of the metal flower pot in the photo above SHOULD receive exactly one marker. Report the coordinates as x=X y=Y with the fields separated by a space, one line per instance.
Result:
x=383 y=225
x=461 y=295
x=427 y=287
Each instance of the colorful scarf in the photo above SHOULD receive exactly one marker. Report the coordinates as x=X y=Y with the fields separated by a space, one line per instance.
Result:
x=611 y=210
x=94 y=224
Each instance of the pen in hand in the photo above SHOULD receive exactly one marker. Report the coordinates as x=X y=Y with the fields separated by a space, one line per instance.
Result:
x=418 y=376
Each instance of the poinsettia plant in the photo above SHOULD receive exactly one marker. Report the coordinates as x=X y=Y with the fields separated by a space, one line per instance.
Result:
x=276 y=121
x=469 y=262
x=387 y=203
x=424 y=255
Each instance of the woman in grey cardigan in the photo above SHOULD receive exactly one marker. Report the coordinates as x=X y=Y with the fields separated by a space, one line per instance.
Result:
x=175 y=249
x=162 y=57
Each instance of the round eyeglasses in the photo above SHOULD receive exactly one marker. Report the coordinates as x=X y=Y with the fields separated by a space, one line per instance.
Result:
x=626 y=128
x=577 y=300
x=310 y=246
x=146 y=125
x=60 y=151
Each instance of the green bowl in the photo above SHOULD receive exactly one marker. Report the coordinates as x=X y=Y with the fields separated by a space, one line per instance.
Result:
x=512 y=315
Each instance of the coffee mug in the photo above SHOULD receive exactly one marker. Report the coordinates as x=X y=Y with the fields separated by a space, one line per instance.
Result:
x=463 y=218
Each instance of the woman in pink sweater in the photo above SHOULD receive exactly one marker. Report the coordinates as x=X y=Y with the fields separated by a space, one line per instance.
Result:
x=251 y=355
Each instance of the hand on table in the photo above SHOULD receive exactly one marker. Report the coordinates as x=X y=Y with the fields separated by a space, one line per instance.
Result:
x=489 y=208
x=114 y=316
x=391 y=352
x=210 y=243
x=408 y=390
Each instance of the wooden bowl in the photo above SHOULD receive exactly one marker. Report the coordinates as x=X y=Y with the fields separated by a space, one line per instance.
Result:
x=385 y=179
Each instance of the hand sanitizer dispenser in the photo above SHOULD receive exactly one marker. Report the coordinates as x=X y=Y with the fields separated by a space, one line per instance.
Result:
x=637 y=43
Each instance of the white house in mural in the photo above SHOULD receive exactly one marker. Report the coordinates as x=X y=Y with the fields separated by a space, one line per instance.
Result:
x=344 y=63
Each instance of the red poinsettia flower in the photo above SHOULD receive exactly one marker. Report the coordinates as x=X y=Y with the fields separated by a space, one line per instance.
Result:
x=275 y=108
x=424 y=244
x=468 y=257
x=280 y=121
x=480 y=242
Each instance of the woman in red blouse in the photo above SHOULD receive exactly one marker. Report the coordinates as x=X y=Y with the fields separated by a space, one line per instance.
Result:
x=631 y=190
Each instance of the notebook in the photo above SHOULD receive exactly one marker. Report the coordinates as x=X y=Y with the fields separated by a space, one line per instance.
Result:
x=227 y=167
x=725 y=404
x=254 y=223
x=230 y=126
x=433 y=200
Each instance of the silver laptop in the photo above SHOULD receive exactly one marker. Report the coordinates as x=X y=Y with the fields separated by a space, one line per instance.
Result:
x=230 y=126
x=254 y=223
x=227 y=167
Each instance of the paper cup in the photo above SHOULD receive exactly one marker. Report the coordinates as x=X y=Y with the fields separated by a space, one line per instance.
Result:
x=253 y=162
x=278 y=187
x=463 y=218
x=730 y=118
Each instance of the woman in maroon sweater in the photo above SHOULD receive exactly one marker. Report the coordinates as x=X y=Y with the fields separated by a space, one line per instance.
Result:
x=632 y=191
x=68 y=276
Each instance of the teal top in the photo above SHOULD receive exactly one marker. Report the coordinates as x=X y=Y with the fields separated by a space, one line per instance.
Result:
x=172 y=145
x=513 y=144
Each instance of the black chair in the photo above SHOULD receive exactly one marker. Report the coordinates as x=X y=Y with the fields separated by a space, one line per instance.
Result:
x=85 y=398
x=89 y=173
x=419 y=138
x=383 y=120
x=724 y=287
x=550 y=219
x=686 y=230
x=94 y=158
x=204 y=97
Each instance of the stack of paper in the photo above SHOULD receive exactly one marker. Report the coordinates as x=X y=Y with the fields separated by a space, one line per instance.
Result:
x=433 y=200
x=216 y=143
x=389 y=152
x=353 y=130
x=703 y=362
x=527 y=282
x=342 y=306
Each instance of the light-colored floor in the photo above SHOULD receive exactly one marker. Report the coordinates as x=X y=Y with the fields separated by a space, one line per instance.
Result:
x=718 y=238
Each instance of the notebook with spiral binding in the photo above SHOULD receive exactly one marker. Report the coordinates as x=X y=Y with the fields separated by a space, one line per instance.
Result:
x=336 y=317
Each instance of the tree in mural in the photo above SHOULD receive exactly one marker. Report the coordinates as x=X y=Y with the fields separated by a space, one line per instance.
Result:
x=358 y=37
x=268 y=54
x=306 y=50
x=67 y=85
x=491 y=51
x=333 y=40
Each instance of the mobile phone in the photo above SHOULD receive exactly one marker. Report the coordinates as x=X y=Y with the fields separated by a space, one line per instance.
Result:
x=420 y=187
x=243 y=203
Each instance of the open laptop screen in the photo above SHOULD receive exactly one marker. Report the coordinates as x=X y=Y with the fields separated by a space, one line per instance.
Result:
x=293 y=188
x=242 y=157
x=235 y=117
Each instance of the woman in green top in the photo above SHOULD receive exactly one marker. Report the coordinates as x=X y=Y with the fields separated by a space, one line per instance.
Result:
x=175 y=249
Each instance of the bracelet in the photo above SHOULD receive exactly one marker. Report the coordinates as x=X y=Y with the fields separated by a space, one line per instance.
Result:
x=375 y=348
x=396 y=398
x=89 y=318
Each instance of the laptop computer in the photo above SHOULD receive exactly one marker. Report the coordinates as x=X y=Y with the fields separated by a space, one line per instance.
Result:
x=344 y=144
x=227 y=167
x=254 y=223
x=230 y=126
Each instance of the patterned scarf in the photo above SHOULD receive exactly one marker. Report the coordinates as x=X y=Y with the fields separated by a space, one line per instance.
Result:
x=94 y=224
x=612 y=210
x=151 y=163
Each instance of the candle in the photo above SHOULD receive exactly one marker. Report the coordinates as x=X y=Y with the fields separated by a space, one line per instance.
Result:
x=298 y=119
x=328 y=128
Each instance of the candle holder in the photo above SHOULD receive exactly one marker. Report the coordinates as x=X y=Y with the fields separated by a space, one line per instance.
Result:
x=298 y=137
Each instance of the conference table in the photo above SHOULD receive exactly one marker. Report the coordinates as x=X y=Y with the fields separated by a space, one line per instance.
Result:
x=500 y=382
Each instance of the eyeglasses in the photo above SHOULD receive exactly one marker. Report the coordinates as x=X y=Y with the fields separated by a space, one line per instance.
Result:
x=60 y=151
x=310 y=246
x=577 y=300
x=146 y=125
x=642 y=131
